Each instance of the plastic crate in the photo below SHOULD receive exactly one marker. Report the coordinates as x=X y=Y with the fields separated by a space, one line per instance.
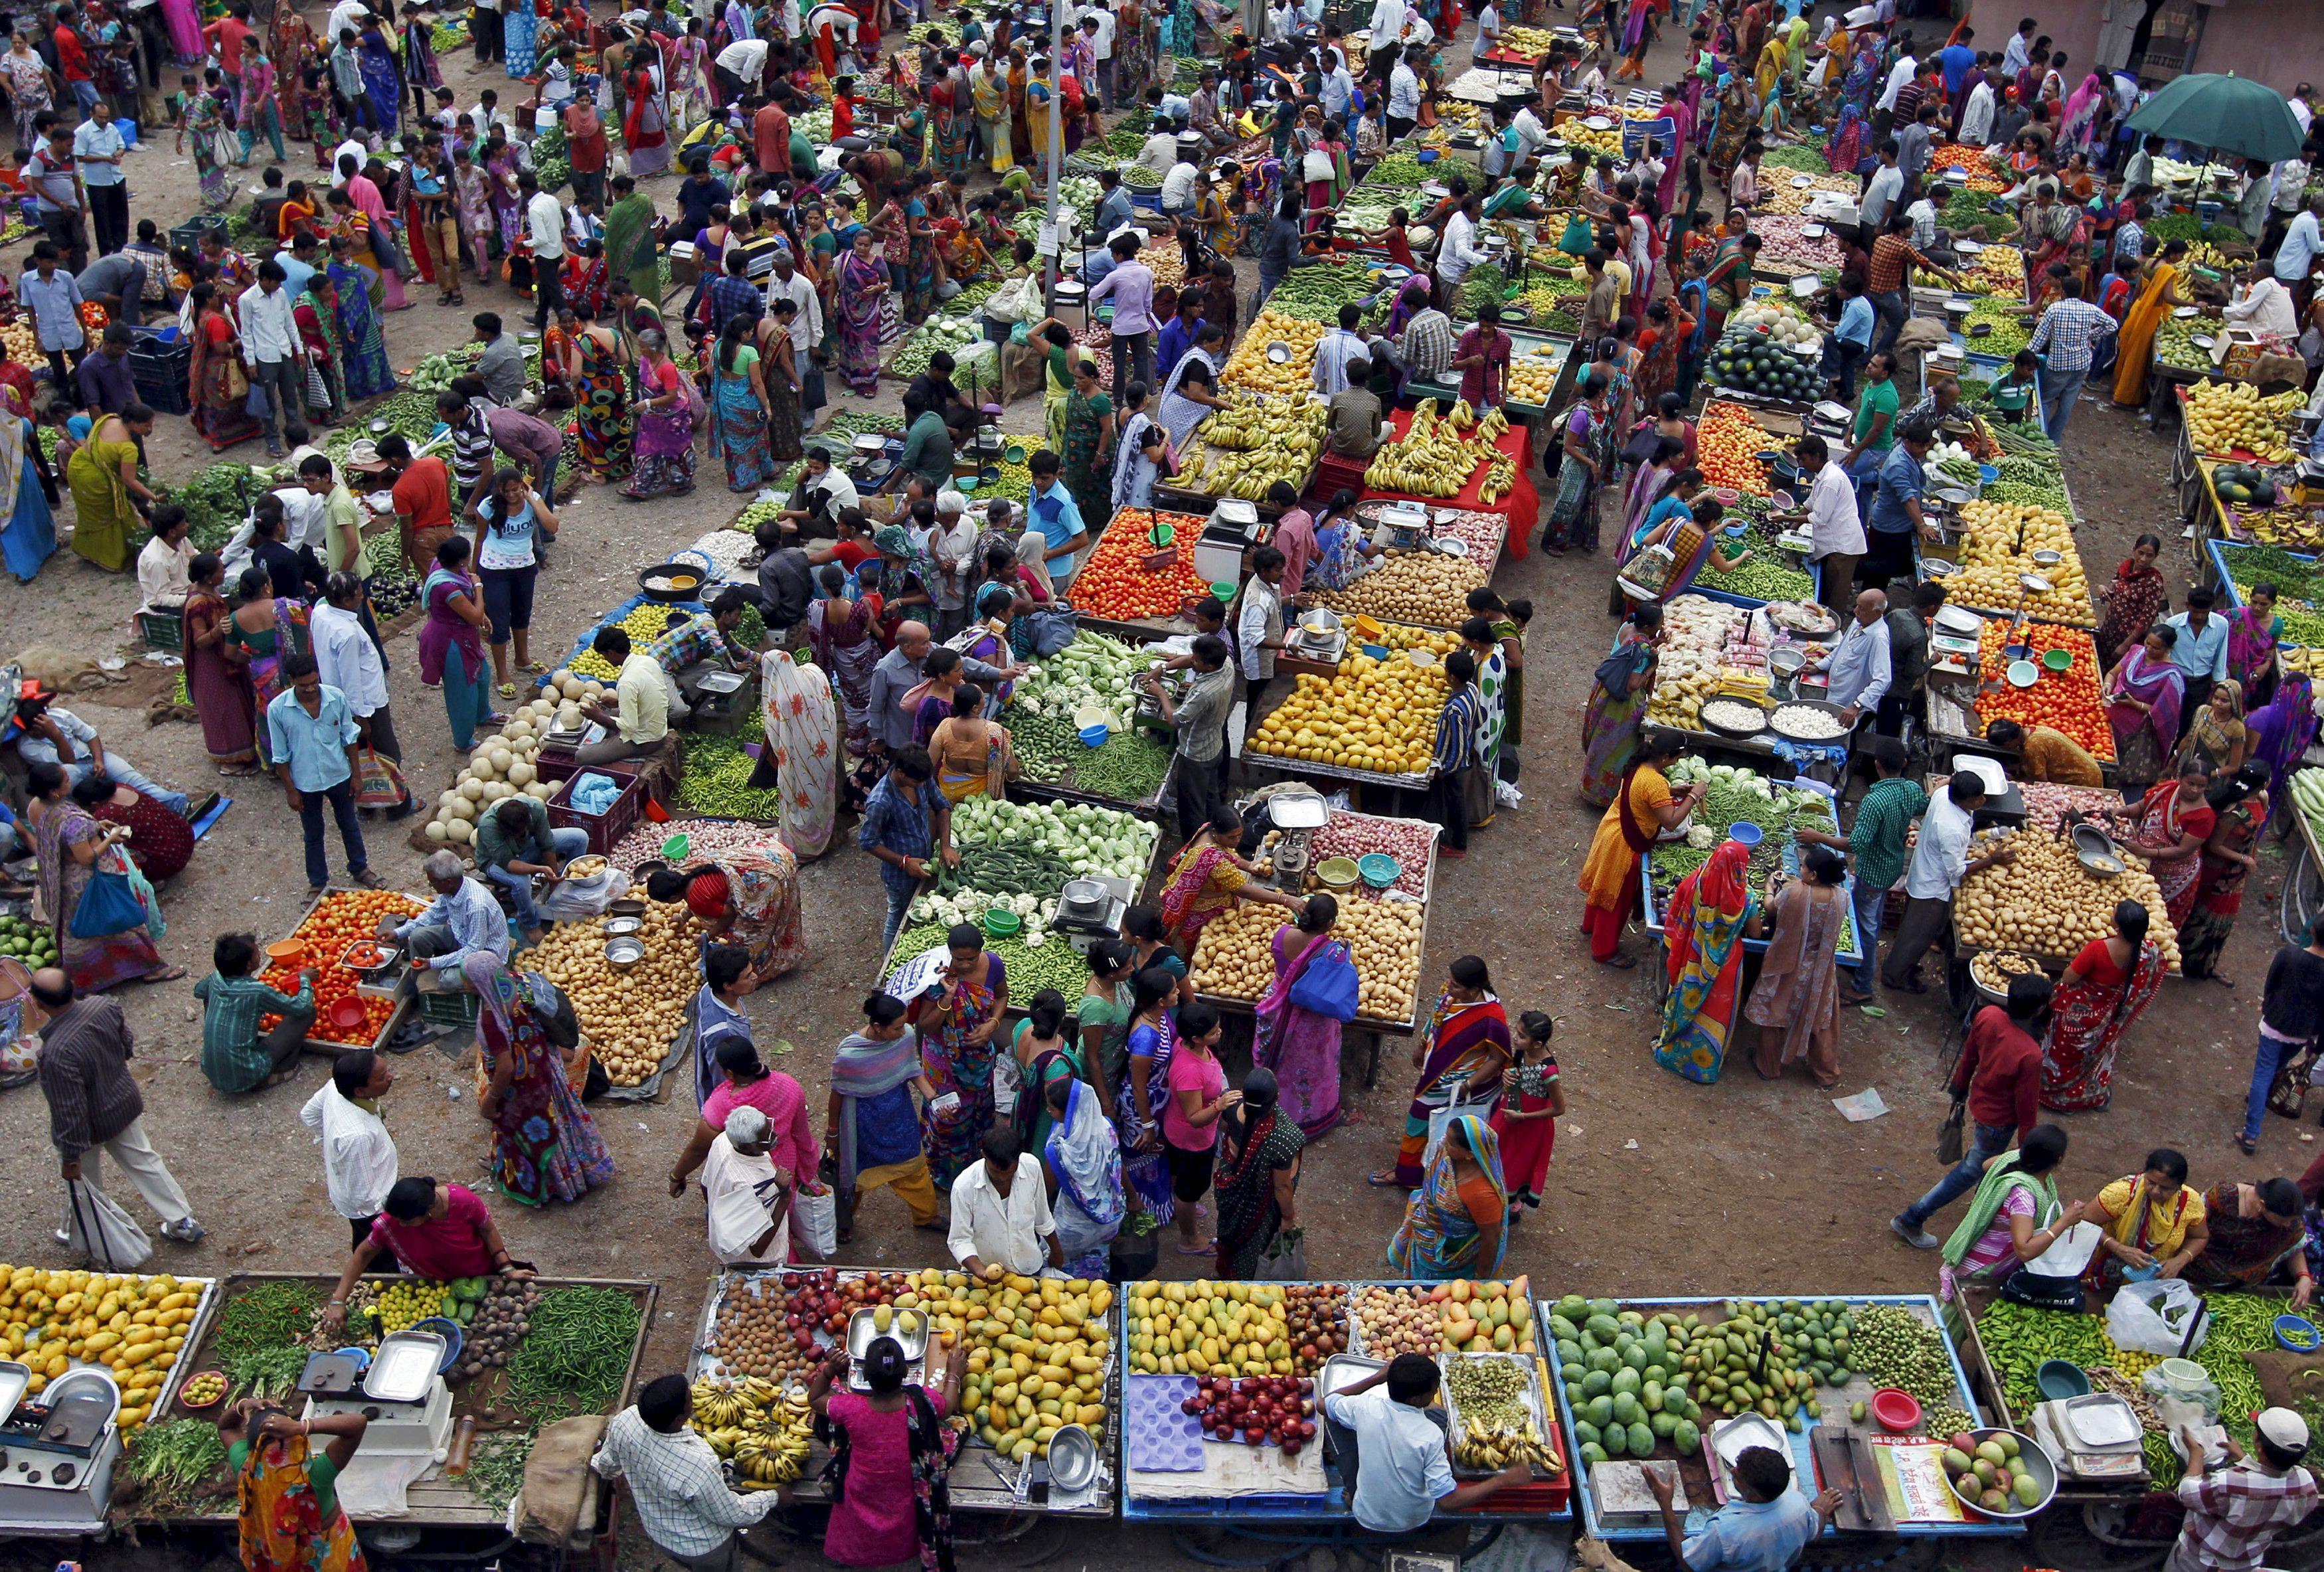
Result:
x=162 y=374
x=161 y=630
x=459 y=1009
x=189 y=235
x=605 y=829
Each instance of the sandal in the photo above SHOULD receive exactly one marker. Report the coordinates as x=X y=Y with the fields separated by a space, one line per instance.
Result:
x=1914 y=987
x=2249 y=1147
x=2219 y=977
x=166 y=975
x=1621 y=961
x=1210 y=1249
x=1384 y=1180
x=369 y=879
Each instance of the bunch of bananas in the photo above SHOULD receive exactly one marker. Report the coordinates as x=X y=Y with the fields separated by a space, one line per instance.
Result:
x=1255 y=441
x=1437 y=454
x=762 y=1432
x=1480 y=1446
x=402 y=1303
x=1526 y=40
x=1500 y=479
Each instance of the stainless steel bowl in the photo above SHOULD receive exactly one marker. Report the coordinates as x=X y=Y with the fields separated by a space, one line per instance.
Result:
x=1073 y=1460
x=861 y=1333
x=616 y=927
x=622 y=953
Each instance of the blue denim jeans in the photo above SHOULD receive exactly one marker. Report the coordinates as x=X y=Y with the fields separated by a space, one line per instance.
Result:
x=1989 y=1141
x=2273 y=1052
x=899 y=903
x=340 y=799
x=1867 y=902
x=2060 y=389
x=570 y=842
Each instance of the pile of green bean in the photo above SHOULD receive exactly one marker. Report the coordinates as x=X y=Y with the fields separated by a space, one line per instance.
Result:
x=2018 y=1338
x=260 y=1319
x=1055 y=965
x=1128 y=767
x=576 y=1352
x=718 y=781
x=1005 y=869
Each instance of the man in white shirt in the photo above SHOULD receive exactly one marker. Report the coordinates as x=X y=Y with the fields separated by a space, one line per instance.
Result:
x=348 y=658
x=1388 y=17
x=1179 y=185
x=544 y=222
x=749 y=1206
x=1856 y=671
x=1977 y=115
x=348 y=16
x=1881 y=193
x=739 y=66
x=359 y=1161
x=785 y=282
x=273 y=353
x=1339 y=87
x=1101 y=44
x=1258 y=632
x=1835 y=529
x=1940 y=863
x=1885 y=110
x=1391 y=1445
x=952 y=552
x=1159 y=154
x=1533 y=133
x=2263 y=304
x=1000 y=1217
x=2020 y=50
x=1460 y=251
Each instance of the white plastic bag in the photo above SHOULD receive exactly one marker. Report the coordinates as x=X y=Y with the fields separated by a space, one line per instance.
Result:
x=2153 y=1316
x=575 y=900
x=98 y=1228
x=816 y=1211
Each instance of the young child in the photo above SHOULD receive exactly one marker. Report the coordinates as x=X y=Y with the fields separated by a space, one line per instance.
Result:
x=2013 y=395
x=1532 y=1098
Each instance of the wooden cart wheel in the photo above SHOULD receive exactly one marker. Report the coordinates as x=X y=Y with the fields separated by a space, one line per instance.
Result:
x=2303 y=896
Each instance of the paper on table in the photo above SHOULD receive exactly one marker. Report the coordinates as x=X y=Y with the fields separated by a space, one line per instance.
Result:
x=1621 y=1490
x=1912 y=1473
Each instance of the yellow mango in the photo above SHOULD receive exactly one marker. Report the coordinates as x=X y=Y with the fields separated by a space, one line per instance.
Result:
x=57 y=1365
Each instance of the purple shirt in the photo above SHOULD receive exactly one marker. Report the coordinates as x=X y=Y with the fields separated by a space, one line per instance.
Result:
x=514 y=432
x=106 y=383
x=1131 y=285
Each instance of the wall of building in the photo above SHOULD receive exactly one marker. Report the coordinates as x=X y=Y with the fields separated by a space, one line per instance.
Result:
x=2279 y=42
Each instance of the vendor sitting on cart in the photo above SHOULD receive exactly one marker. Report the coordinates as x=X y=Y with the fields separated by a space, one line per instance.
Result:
x=1763 y=1528
x=2044 y=753
x=2234 y=1511
x=1391 y=1449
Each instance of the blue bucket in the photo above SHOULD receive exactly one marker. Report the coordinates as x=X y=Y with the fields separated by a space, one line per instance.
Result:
x=1744 y=833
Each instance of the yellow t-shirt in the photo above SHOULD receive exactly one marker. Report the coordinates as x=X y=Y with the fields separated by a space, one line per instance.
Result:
x=641 y=704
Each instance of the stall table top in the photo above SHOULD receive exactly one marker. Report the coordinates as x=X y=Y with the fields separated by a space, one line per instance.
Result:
x=1523 y=503
x=2296 y=529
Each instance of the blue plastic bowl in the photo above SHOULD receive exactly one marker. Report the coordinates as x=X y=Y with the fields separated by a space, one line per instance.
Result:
x=1737 y=532
x=1987 y=474
x=128 y=129
x=1095 y=736
x=1376 y=651
x=448 y=1329
x=1428 y=155
x=1379 y=869
x=2298 y=1334
x=1743 y=832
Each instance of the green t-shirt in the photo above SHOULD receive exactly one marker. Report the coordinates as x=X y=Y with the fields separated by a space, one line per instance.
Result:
x=1880 y=398
x=321 y=1473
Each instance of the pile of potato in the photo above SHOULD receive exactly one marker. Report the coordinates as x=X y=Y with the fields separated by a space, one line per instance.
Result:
x=2002 y=539
x=2046 y=902
x=631 y=1017
x=1412 y=587
x=1233 y=960
x=501 y=766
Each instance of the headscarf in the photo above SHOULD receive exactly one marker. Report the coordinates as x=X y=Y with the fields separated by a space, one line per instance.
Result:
x=1984 y=1207
x=1718 y=886
x=495 y=985
x=2082 y=106
x=1086 y=1157
x=1420 y=1241
x=865 y=1066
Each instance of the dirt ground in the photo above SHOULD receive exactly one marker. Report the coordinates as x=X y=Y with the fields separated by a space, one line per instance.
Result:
x=1660 y=1186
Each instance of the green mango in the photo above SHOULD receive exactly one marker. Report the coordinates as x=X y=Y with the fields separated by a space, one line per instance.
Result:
x=1656 y=1376
x=1569 y=1352
x=1605 y=1359
x=1616 y=1440
x=1663 y=1424
x=1591 y=1452
x=1993 y=1452
x=1603 y=1307
x=1597 y=1383
x=1585 y=1432
x=2007 y=1443
x=1573 y=1307
x=1651 y=1398
x=1564 y=1328
x=1601 y=1411
x=1693 y=1411
x=1627 y=1409
x=1642 y=1440
x=1605 y=1328
x=1956 y=1460
x=2028 y=1490
x=1635 y=1357
x=1626 y=1379
x=1686 y=1435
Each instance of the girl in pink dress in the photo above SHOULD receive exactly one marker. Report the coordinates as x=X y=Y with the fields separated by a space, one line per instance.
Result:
x=1527 y=1121
x=889 y=1454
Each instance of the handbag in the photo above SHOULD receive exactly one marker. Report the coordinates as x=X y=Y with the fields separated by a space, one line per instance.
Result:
x=2288 y=1094
x=814 y=1216
x=1315 y=165
x=1640 y=448
x=109 y=905
x=1479 y=801
x=319 y=390
x=98 y=1228
x=1328 y=985
x=260 y=404
x=381 y=784
x=1952 y=1139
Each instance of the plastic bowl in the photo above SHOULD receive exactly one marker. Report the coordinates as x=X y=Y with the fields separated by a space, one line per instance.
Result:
x=445 y=1327
x=1094 y=737
x=1744 y=833
x=2060 y=1379
x=1426 y=155
x=1224 y=589
x=1337 y=874
x=345 y=1014
x=1897 y=1410
x=2297 y=1334
x=1000 y=923
x=288 y=952
x=2058 y=660
x=195 y=1408
x=1379 y=869
x=1376 y=651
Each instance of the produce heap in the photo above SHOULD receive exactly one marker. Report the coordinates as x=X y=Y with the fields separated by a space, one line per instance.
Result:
x=764 y=1432
x=340 y=918
x=33 y=943
x=1784 y=194
x=1411 y=842
x=644 y=623
x=1766 y=574
x=716 y=778
x=1738 y=794
x=1233 y=959
x=2046 y=902
x=1420 y=587
x=1492 y=1399
x=958 y=331
x=1770 y=348
x=1317 y=292
x=631 y=1017
x=2001 y=540
x=1249 y=367
x=1997 y=270
x=1115 y=582
x=1438 y=453
x=2224 y=417
x=132 y=1326
x=2065 y=701
x=1728 y=442
x=1045 y=718
x=1377 y=717
x=503 y=767
x=2176 y=346
x=2004 y=335
x=1533 y=376
x=1696 y=633
x=1255 y=440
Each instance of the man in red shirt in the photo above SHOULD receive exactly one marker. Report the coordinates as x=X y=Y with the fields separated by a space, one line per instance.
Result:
x=72 y=59
x=770 y=138
x=227 y=33
x=423 y=501
x=2000 y=1076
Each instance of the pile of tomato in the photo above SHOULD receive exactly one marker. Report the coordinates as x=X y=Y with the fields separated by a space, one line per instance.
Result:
x=2065 y=701
x=1728 y=443
x=342 y=917
x=1114 y=583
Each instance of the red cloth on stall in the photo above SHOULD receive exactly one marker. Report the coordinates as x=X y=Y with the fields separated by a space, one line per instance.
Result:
x=1522 y=505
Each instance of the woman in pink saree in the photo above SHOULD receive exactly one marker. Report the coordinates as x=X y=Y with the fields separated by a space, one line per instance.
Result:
x=2142 y=696
x=1301 y=1046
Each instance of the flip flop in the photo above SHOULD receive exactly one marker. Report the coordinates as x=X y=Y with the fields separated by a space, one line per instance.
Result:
x=1620 y=963
x=166 y=974
x=1384 y=1180
x=1210 y=1249
x=506 y=690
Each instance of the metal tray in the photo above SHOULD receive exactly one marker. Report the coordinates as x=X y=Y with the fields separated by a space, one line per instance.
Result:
x=1445 y=1359
x=861 y=1333
x=404 y=1367
x=14 y=1377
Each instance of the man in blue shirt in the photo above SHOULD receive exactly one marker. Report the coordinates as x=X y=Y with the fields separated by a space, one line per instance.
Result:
x=2201 y=652
x=1058 y=517
x=1114 y=208
x=1955 y=59
x=2296 y=257
x=313 y=734
x=98 y=149
x=1851 y=336
x=1896 y=516
x=1762 y=1529
x=462 y=920
x=906 y=822
x=1390 y=1448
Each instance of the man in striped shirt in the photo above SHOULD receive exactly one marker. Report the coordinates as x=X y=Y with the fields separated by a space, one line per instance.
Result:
x=237 y=1057
x=1457 y=730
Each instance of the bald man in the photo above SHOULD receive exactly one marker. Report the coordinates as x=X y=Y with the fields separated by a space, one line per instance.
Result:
x=1856 y=671
x=898 y=672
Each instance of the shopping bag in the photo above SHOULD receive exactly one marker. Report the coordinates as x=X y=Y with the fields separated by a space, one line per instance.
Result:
x=1577 y=237
x=108 y=906
x=381 y=784
x=1285 y=1259
x=2161 y=1315
x=2288 y=1094
x=259 y=405
x=1328 y=985
x=99 y=1229
x=1952 y=1142
x=1441 y=1119
x=814 y=1219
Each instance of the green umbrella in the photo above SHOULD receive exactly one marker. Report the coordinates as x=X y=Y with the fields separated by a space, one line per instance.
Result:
x=2226 y=114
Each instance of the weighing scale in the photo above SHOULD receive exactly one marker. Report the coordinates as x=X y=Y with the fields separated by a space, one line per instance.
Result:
x=1783 y=664
x=2004 y=804
x=724 y=700
x=861 y=1333
x=1402 y=526
x=57 y=1457
x=874 y=460
x=1295 y=816
x=2094 y=1437
x=404 y=1400
x=1089 y=909
x=1232 y=529
x=989 y=443
x=1953 y=640
x=1322 y=637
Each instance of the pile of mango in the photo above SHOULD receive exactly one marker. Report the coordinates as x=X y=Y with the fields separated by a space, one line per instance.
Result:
x=134 y=1326
x=1036 y=1352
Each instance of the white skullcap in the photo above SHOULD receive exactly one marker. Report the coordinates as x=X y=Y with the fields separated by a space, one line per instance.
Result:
x=949 y=501
x=2286 y=1430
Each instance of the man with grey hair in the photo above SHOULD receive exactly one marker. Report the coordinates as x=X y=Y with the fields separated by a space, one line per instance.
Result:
x=952 y=551
x=462 y=920
x=351 y=662
x=750 y=1199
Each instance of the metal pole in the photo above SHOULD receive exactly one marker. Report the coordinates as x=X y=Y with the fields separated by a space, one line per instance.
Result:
x=1053 y=266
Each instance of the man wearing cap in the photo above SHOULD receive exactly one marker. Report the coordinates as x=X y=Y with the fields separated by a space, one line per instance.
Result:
x=2236 y=1509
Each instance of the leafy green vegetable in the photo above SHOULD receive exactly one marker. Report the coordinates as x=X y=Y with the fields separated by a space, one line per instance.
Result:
x=174 y=1462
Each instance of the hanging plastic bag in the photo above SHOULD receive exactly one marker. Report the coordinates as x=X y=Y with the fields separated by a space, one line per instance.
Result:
x=96 y=1227
x=2156 y=1317
x=815 y=1211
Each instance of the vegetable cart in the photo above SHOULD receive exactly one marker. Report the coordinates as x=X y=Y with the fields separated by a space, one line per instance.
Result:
x=442 y=1511
x=1094 y=672
x=387 y=995
x=1392 y=790
x=1523 y=343
x=1243 y=1488
x=1961 y=707
x=1826 y=1451
x=981 y=1479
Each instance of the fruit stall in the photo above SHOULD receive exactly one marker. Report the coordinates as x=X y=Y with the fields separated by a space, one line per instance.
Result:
x=1690 y=1381
x=2041 y=675
x=133 y=1330
x=1447 y=461
x=2003 y=540
x=362 y=988
x=1242 y=449
x=1126 y=588
x=2298 y=577
x=1041 y=1354
x=1543 y=367
x=2244 y=505
x=2230 y=424
x=1053 y=709
x=1224 y=1383
x=523 y=1352
x=1427 y=588
x=1385 y=925
x=1371 y=723
x=1016 y=860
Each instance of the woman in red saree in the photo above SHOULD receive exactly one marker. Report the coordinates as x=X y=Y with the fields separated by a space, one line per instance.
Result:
x=2134 y=599
x=2108 y=987
x=220 y=688
x=2226 y=863
x=645 y=118
x=218 y=384
x=1708 y=914
x=1461 y=1058
x=1210 y=876
x=2169 y=827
